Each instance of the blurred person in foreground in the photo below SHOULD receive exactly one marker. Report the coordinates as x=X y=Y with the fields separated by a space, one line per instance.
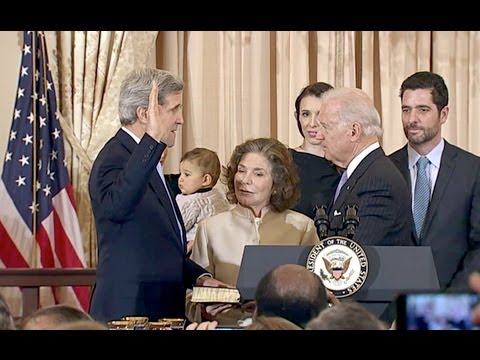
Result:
x=348 y=315
x=7 y=321
x=293 y=293
x=50 y=317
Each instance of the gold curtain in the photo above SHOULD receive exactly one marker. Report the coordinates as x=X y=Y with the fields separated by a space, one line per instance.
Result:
x=243 y=84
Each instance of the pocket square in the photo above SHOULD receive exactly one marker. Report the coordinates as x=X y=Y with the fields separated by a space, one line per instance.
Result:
x=336 y=213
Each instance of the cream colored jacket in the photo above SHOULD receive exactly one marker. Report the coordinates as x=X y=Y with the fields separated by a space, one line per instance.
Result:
x=220 y=241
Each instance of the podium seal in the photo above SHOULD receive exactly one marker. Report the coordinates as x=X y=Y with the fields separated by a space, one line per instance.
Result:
x=341 y=263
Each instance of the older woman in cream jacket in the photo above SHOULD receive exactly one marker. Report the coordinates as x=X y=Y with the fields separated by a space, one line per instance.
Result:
x=263 y=183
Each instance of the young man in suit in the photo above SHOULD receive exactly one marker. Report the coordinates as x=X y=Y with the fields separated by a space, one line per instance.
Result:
x=143 y=269
x=451 y=220
x=349 y=132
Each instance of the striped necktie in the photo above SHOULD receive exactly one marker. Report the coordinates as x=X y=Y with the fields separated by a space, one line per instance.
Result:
x=421 y=197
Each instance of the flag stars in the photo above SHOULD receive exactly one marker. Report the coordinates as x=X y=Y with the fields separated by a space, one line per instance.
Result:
x=39 y=185
x=43 y=100
x=43 y=121
x=28 y=139
x=49 y=85
x=24 y=160
x=17 y=114
x=31 y=117
x=26 y=49
x=21 y=93
x=24 y=71
x=37 y=75
x=56 y=133
x=51 y=175
x=21 y=181
x=34 y=207
x=54 y=155
x=39 y=165
x=65 y=162
x=8 y=156
x=35 y=96
x=13 y=135
x=41 y=144
x=47 y=190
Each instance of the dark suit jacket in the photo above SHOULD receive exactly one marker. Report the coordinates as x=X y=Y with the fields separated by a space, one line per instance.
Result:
x=142 y=265
x=383 y=200
x=452 y=226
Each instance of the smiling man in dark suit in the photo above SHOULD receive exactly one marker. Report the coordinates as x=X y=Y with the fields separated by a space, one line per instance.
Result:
x=349 y=133
x=143 y=269
x=451 y=225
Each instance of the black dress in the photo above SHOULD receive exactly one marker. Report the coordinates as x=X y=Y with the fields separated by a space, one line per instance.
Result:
x=318 y=181
x=172 y=181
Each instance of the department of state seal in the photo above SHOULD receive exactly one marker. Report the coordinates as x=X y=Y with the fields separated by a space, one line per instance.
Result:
x=341 y=263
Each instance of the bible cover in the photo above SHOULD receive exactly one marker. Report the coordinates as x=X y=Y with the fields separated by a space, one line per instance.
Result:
x=205 y=294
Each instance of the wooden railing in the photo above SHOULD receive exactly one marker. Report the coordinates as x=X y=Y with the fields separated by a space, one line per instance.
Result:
x=30 y=281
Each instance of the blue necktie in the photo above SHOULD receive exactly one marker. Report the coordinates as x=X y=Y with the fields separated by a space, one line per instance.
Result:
x=421 y=197
x=342 y=182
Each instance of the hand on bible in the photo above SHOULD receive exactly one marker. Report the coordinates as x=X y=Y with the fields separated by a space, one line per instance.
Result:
x=210 y=311
x=211 y=282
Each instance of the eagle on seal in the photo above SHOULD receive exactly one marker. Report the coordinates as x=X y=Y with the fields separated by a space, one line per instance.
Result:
x=337 y=268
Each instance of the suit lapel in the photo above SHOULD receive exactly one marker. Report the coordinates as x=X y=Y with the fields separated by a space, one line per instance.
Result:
x=156 y=184
x=337 y=208
x=447 y=167
x=402 y=165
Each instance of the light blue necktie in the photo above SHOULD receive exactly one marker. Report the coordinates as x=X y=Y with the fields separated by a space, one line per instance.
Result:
x=421 y=197
x=342 y=182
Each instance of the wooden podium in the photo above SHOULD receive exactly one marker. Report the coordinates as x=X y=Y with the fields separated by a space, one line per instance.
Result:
x=30 y=281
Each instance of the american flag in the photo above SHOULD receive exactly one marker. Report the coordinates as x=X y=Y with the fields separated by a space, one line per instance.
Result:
x=38 y=222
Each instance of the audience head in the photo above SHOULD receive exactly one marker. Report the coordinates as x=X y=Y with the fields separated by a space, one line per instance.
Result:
x=272 y=323
x=346 y=316
x=199 y=169
x=307 y=105
x=51 y=317
x=82 y=325
x=349 y=122
x=6 y=319
x=135 y=93
x=291 y=292
x=424 y=97
x=261 y=172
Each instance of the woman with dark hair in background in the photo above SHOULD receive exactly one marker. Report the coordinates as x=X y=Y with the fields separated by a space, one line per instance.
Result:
x=318 y=176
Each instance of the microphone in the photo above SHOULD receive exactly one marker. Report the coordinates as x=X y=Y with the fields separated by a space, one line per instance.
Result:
x=351 y=220
x=321 y=221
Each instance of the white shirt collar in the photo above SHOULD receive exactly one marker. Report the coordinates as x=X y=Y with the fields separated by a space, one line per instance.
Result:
x=362 y=155
x=135 y=137
x=433 y=156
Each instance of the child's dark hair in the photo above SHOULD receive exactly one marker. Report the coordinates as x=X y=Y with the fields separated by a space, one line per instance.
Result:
x=207 y=160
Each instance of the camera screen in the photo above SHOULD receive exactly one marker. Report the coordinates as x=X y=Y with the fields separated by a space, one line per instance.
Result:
x=438 y=311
